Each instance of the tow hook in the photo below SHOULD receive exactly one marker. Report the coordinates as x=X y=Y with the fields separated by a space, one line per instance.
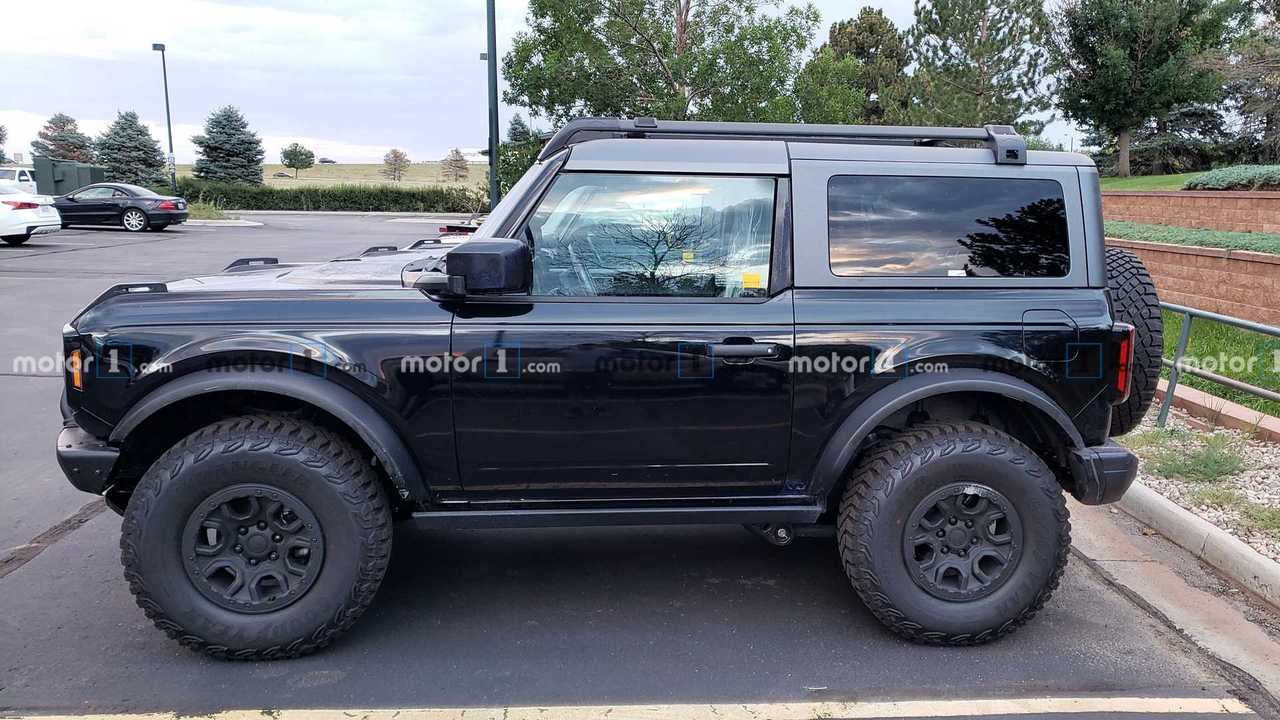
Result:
x=780 y=535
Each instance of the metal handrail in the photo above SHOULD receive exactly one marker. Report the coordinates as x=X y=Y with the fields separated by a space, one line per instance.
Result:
x=1176 y=368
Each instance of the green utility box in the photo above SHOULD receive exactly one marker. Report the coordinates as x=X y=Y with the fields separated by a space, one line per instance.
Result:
x=59 y=177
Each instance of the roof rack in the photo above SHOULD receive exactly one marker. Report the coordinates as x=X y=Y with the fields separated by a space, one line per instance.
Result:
x=1009 y=147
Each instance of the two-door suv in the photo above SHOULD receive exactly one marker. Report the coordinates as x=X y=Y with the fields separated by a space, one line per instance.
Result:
x=914 y=336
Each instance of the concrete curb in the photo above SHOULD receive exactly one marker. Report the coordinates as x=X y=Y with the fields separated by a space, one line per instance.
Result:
x=356 y=213
x=1205 y=540
x=224 y=223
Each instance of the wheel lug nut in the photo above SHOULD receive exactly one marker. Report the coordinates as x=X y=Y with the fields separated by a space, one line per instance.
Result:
x=262 y=525
x=968 y=523
x=973 y=541
x=963 y=552
x=238 y=548
x=243 y=530
x=945 y=549
x=952 y=521
x=275 y=538
x=253 y=561
x=941 y=534
x=274 y=556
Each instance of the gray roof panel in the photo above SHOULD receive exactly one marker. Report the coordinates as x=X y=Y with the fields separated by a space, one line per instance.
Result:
x=655 y=155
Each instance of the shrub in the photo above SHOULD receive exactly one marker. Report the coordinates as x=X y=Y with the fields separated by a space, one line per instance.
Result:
x=1237 y=177
x=361 y=198
x=1256 y=242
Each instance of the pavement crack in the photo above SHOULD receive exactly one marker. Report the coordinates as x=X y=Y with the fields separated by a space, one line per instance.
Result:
x=24 y=554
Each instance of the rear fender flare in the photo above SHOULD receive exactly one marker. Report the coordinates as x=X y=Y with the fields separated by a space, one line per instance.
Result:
x=872 y=412
x=346 y=406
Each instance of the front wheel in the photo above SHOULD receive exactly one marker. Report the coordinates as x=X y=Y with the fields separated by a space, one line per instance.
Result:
x=134 y=220
x=953 y=534
x=15 y=239
x=256 y=538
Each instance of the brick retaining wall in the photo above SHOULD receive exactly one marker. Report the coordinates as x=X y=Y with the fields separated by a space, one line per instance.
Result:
x=1208 y=210
x=1231 y=282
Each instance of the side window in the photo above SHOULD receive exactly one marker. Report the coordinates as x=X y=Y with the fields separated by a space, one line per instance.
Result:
x=609 y=234
x=947 y=227
x=24 y=176
x=119 y=194
x=93 y=194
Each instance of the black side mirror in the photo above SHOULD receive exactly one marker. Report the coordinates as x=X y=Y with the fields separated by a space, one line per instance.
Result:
x=481 y=267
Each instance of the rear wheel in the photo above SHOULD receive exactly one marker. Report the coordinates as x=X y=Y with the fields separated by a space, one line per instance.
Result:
x=258 y=537
x=953 y=534
x=158 y=227
x=1133 y=296
x=134 y=220
x=15 y=239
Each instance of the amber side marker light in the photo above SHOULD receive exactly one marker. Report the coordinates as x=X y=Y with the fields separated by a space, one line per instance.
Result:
x=76 y=366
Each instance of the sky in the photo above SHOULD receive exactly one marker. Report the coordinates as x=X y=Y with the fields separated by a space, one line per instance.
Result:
x=347 y=78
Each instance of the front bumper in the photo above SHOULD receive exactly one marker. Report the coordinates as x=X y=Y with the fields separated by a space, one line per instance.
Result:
x=85 y=460
x=1101 y=474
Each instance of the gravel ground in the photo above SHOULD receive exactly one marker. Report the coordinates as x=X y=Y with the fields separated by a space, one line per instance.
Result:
x=1259 y=482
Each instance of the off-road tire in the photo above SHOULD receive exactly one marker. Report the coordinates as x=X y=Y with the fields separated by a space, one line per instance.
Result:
x=896 y=475
x=1133 y=296
x=297 y=457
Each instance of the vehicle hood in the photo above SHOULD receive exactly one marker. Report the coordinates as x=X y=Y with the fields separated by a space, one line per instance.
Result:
x=379 y=269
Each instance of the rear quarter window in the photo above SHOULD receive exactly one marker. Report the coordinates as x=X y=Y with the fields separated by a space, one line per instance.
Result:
x=911 y=226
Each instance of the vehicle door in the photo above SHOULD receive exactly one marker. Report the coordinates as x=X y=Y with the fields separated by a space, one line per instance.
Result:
x=651 y=357
x=86 y=206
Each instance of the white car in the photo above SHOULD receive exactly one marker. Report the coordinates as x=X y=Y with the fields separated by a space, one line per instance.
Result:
x=23 y=215
x=23 y=176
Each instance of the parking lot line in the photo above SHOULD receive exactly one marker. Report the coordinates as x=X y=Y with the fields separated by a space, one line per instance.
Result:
x=1101 y=706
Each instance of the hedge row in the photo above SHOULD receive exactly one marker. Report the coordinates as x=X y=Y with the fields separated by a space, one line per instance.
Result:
x=1257 y=242
x=363 y=198
x=1237 y=177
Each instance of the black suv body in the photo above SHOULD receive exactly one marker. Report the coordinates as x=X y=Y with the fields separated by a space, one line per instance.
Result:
x=780 y=326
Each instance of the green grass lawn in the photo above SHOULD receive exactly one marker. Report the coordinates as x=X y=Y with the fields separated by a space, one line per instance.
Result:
x=1212 y=342
x=1147 y=182
x=1257 y=242
x=425 y=174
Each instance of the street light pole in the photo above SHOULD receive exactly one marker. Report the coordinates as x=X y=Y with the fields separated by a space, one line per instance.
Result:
x=164 y=68
x=492 y=57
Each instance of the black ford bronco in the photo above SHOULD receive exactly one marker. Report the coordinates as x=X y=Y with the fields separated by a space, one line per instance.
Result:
x=914 y=337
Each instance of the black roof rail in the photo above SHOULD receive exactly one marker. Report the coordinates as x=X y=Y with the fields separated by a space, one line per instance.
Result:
x=1009 y=147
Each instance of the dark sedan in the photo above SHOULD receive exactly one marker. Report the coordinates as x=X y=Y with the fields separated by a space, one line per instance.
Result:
x=132 y=207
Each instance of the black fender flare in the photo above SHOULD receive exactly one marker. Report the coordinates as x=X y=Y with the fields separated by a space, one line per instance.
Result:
x=848 y=437
x=346 y=406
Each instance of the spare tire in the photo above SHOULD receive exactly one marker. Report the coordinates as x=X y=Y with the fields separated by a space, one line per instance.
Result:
x=1133 y=298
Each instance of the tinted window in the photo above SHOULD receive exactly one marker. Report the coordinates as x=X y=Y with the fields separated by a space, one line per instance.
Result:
x=947 y=227
x=138 y=191
x=94 y=193
x=7 y=174
x=653 y=235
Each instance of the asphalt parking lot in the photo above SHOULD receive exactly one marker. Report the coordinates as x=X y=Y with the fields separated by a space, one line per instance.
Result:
x=493 y=619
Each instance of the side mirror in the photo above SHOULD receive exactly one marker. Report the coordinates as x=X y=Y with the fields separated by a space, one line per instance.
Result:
x=481 y=267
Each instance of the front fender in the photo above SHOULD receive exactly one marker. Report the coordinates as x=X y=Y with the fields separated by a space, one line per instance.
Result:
x=330 y=397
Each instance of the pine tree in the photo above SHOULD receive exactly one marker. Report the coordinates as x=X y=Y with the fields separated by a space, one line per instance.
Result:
x=454 y=167
x=297 y=157
x=129 y=152
x=394 y=164
x=61 y=139
x=228 y=150
x=518 y=130
x=979 y=62
x=874 y=41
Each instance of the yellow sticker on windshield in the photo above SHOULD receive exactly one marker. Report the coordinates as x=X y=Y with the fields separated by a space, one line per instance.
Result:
x=751 y=280
x=687 y=256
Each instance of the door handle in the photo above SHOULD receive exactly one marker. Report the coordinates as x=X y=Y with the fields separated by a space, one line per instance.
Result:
x=744 y=352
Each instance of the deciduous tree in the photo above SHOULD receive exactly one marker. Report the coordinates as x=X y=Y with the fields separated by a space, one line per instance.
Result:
x=297 y=157
x=1123 y=62
x=677 y=59
x=129 y=152
x=228 y=150
x=61 y=138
